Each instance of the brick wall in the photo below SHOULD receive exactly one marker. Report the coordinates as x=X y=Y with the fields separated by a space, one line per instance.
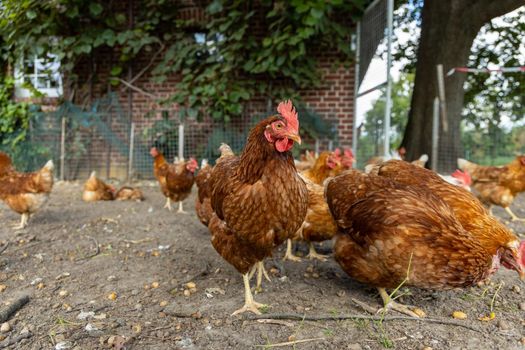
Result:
x=333 y=99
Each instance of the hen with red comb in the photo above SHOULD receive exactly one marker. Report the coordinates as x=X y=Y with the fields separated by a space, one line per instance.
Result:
x=258 y=199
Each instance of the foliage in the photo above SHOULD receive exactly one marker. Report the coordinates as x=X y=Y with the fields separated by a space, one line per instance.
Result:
x=14 y=120
x=230 y=58
x=498 y=43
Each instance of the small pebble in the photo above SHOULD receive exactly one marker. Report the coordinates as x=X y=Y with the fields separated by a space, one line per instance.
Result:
x=112 y=296
x=187 y=293
x=427 y=348
x=24 y=330
x=155 y=285
x=503 y=325
x=138 y=307
x=2 y=287
x=63 y=293
x=191 y=285
x=516 y=289
x=5 y=327
x=112 y=278
x=135 y=292
x=163 y=303
x=522 y=306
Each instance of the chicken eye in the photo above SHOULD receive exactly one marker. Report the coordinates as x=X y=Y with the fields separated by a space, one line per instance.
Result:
x=278 y=126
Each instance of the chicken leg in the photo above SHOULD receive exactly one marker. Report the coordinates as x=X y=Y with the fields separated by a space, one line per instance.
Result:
x=23 y=221
x=392 y=305
x=168 y=203
x=314 y=255
x=180 y=211
x=289 y=255
x=259 y=267
x=513 y=216
x=249 y=303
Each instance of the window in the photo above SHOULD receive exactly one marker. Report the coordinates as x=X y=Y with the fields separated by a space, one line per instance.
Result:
x=43 y=74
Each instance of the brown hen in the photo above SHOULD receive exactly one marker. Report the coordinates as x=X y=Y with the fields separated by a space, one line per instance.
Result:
x=127 y=193
x=258 y=198
x=203 y=199
x=318 y=225
x=175 y=180
x=25 y=193
x=392 y=233
x=497 y=185
x=97 y=190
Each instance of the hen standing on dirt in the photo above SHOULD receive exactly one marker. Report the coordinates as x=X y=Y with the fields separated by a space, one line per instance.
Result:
x=25 y=193
x=258 y=198
x=175 y=180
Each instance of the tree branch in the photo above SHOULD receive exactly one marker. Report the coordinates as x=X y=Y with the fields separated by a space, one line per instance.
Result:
x=299 y=317
x=486 y=10
x=136 y=88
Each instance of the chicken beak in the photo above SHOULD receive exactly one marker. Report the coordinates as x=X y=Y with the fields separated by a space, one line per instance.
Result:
x=294 y=137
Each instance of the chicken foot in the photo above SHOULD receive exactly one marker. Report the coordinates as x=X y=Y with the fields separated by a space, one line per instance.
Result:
x=392 y=305
x=289 y=255
x=168 y=203
x=313 y=254
x=249 y=303
x=180 y=211
x=513 y=216
x=23 y=221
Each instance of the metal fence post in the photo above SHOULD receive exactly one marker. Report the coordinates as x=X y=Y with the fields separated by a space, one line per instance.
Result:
x=435 y=134
x=181 y=142
x=131 y=147
x=62 y=148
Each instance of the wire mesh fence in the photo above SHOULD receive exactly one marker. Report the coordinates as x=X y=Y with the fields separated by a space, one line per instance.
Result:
x=102 y=138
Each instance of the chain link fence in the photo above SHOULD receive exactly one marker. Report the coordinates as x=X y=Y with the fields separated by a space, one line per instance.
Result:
x=103 y=138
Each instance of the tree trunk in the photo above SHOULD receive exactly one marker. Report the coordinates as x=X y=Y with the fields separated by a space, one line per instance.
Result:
x=448 y=30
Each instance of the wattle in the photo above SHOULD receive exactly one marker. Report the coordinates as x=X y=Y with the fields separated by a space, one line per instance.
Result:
x=283 y=145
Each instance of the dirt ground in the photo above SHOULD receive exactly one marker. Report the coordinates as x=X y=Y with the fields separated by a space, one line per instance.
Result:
x=155 y=282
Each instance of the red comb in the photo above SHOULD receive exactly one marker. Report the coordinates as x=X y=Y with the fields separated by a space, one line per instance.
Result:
x=287 y=110
x=349 y=153
x=463 y=176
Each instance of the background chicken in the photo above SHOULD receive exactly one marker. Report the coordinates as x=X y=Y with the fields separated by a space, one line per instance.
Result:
x=175 y=180
x=25 y=193
x=326 y=165
x=129 y=193
x=203 y=199
x=306 y=161
x=458 y=178
x=97 y=190
x=497 y=185
x=421 y=161
x=317 y=226
x=392 y=233
x=258 y=198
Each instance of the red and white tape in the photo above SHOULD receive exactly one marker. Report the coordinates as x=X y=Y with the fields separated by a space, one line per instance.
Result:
x=486 y=70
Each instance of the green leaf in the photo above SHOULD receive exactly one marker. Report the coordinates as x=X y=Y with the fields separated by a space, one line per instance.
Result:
x=31 y=14
x=95 y=9
x=215 y=7
x=316 y=13
x=116 y=70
